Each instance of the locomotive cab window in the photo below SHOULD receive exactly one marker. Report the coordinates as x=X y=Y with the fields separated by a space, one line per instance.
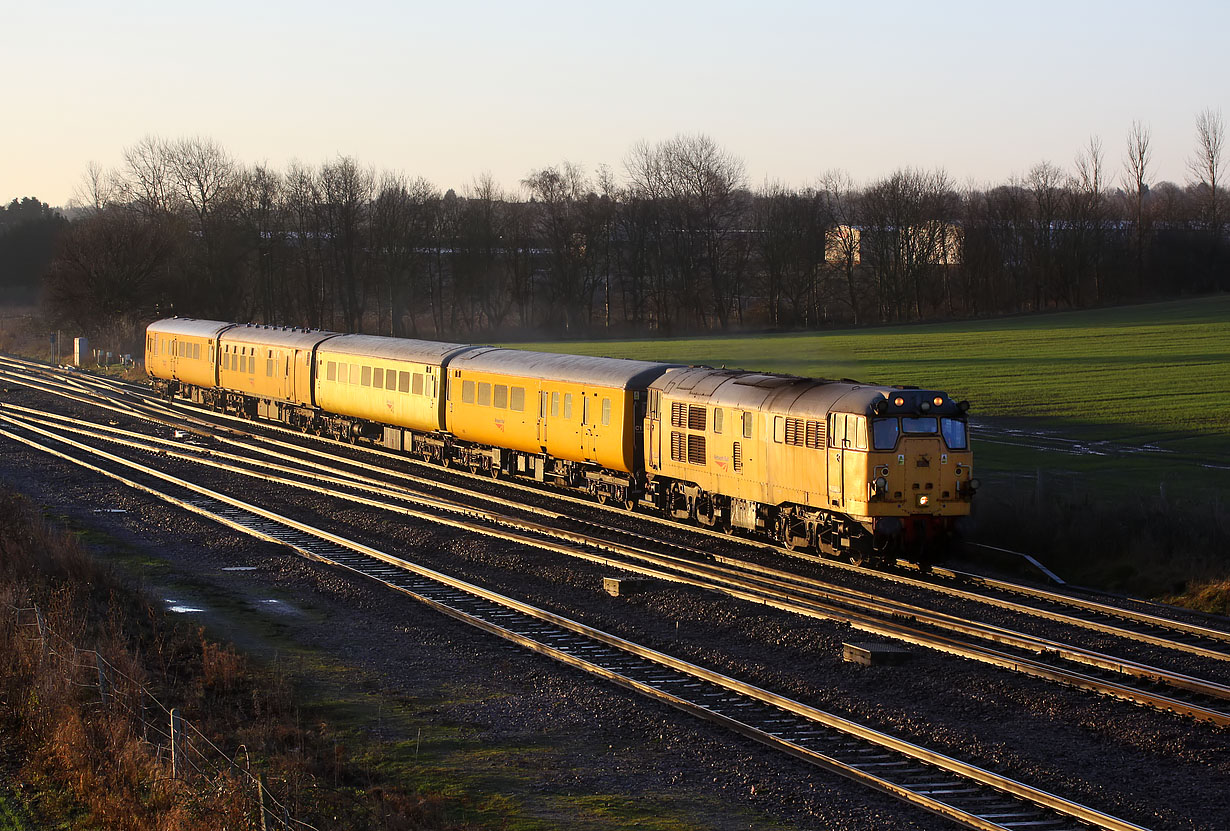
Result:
x=748 y=421
x=925 y=424
x=884 y=433
x=718 y=419
x=955 y=435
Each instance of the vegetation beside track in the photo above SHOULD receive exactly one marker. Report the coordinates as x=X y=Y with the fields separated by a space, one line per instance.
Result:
x=84 y=766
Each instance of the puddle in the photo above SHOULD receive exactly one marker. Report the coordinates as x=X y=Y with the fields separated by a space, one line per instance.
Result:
x=179 y=608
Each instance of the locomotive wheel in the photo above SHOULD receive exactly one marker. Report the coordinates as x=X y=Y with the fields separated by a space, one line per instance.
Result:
x=602 y=497
x=495 y=472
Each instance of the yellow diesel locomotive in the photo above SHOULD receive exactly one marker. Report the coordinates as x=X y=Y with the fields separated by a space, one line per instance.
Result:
x=861 y=471
x=852 y=469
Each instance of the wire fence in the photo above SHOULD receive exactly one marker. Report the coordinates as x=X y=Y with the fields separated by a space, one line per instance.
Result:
x=176 y=743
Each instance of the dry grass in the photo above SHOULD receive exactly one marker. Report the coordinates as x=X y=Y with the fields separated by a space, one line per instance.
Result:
x=91 y=759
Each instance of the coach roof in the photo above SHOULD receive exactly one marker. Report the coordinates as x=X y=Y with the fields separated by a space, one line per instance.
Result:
x=284 y=336
x=619 y=373
x=394 y=349
x=189 y=327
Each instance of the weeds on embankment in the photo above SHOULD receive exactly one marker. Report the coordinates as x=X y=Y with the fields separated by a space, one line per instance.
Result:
x=1146 y=546
x=73 y=762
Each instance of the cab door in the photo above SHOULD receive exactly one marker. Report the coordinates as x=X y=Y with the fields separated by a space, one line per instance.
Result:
x=655 y=434
x=837 y=460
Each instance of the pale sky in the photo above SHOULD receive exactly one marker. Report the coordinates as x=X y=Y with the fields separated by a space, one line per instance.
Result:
x=451 y=90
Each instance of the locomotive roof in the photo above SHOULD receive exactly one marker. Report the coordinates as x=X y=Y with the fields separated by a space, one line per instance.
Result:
x=794 y=395
x=397 y=349
x=620 y=373
x=261 y=335
x=188 y=326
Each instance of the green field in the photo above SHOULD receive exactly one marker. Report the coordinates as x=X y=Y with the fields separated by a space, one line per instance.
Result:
x=1134 y=395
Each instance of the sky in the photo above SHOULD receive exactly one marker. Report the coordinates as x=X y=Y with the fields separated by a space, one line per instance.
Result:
x=453 y=90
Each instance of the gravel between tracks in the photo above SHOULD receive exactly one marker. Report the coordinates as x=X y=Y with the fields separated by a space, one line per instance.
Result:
x=1153 y=769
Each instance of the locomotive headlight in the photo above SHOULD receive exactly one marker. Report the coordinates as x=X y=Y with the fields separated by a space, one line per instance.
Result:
x=881 y=485
x=923 y=500
x=939 y=399
x=899 y=401
x=974 y=484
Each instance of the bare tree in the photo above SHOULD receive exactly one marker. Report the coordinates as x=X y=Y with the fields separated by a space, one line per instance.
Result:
x=841 y=243
x=1136 y=172
x=1089 y=217
x=1206 y=167
x=560 y=192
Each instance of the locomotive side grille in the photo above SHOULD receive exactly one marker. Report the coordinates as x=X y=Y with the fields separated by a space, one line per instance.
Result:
x=815 y=434
x=696 y=417
x=677 y=447
x=737 y=457
x=696 y=450
x=796 y=433
x=677 y=414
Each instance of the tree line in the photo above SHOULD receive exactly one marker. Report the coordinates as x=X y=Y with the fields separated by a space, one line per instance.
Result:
x=677 y=243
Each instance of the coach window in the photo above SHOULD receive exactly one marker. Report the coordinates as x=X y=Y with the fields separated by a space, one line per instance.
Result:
x=516 y=399
x=484 y=393
x=606 y=411
x=955 y=435
x=354 y=374
x=542 y=404
x=555 y=405
x=499 y=396
x=568 y=405
x=467 y=392
x=378 y=378
x=416 y=384
x=884 y=433
x=367 y=376
x=403 y=382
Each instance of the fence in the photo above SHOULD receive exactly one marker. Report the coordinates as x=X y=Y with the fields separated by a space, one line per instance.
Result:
x=175 y=742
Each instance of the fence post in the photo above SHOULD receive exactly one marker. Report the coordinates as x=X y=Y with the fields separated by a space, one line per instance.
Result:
x=104 y=682
x=177 y=744
x=260 y=792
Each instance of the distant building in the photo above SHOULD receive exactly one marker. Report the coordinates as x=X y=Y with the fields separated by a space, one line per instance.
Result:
x=935 y=242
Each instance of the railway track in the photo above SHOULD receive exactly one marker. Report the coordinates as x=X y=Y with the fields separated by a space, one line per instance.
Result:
x=735 y=578
x=1063 y=607
x=969 y=795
